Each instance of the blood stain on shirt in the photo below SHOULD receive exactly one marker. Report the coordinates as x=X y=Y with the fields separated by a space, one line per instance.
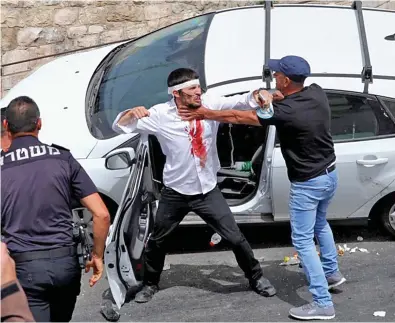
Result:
x=198 y=148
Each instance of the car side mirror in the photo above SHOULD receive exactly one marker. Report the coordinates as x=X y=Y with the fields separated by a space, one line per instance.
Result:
x=121 y=158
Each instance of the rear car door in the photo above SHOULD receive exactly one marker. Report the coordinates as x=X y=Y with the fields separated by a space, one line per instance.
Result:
x=130 y=229
x=364 y=135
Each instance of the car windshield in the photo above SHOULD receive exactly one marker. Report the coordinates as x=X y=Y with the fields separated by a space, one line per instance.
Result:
x=137 y=74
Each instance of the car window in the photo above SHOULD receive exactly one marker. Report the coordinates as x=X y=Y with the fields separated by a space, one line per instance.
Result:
x=390 y=104
x=357 y=117
x=137 y=74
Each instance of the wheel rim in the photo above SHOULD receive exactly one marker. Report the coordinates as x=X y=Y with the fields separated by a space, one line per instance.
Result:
x=392 y=216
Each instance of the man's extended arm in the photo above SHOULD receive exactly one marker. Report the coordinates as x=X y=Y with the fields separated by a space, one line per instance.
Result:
x=248 y=101
x=137 y=119
x=226 y=116
x=231 y=116
x=245 y=101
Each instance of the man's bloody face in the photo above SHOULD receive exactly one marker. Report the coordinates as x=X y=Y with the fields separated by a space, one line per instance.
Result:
x=190 y=96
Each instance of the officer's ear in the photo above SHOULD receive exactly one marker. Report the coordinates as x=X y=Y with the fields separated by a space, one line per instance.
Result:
x=5 y=124
x=39 y=124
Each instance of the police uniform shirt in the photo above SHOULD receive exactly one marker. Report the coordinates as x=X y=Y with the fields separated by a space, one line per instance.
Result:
x=302 y=122
x=38 y=183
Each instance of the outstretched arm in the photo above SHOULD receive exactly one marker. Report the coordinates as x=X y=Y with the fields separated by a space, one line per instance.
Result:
x=227 y=116
x=245 y=101
x=248 y=101
x=137 y=119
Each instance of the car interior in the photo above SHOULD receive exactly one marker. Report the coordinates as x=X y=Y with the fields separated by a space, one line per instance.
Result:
x=235 y=143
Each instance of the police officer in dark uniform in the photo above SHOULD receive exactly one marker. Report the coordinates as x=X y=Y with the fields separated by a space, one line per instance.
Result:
x=38 y=184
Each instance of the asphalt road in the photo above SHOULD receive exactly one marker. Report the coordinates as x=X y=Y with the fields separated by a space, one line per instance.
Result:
x=204 y=284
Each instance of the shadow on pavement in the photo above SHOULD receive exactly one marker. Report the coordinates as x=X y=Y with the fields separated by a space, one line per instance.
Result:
x=224 y=279
x=227 y=279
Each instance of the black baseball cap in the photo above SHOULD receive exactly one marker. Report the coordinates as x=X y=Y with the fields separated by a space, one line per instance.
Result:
x=294 y=67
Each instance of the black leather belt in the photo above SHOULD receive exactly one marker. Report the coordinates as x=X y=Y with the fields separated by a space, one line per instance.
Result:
x=44 y=254
x=327 y=170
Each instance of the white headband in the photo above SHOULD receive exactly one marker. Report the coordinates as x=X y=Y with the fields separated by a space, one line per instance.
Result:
x=183 y=86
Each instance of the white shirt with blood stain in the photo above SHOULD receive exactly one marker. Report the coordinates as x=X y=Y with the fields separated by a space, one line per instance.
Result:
x=190 y=147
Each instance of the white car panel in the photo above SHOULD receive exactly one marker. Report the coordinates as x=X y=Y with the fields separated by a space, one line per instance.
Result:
x=327 y=38
x=104 y=146
x=238 y=87
x=59 y=89
x=357 y=183
x=233 y=36
x=109 y=182
x=378 y=25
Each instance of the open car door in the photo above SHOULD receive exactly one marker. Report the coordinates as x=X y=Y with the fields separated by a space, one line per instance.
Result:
x=132 y=223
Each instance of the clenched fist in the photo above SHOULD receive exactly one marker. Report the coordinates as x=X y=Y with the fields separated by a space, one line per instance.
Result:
x=132 y=114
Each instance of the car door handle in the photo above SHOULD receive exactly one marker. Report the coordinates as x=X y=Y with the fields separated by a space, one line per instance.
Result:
x=372 y=162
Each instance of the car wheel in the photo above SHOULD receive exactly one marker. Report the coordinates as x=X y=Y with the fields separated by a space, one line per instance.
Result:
x=387 y=217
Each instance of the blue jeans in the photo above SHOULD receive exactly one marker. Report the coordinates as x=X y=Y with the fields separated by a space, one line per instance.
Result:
x=308 y=205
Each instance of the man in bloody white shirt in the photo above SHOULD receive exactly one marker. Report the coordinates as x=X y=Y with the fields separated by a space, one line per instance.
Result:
x=190 y=175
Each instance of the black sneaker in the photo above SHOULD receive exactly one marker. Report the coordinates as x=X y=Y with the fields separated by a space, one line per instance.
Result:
x=263 y=287
x=146 y=293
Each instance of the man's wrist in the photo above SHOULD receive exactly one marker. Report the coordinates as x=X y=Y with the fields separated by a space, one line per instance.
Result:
x=9 y=288
x=125 y=119
x=97 y=255
x=207 y=114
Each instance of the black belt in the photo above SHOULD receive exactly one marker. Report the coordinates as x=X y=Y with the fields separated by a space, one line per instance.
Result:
x=44 y=254
x=327 y=170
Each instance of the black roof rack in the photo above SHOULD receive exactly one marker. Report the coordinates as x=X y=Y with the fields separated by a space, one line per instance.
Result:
x=266 y=72
x=367 y=70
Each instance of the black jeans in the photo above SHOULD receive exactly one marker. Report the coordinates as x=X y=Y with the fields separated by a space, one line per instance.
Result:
x=51 y=287
x=214 y=210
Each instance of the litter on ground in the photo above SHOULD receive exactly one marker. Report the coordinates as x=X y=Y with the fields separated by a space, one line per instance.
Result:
x=342 y=250
x=379 y=313
x=290 y=261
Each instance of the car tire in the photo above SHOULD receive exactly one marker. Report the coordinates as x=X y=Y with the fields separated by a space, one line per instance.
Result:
x=387 y=216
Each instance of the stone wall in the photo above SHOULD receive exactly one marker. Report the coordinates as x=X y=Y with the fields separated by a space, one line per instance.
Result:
x=34 y=28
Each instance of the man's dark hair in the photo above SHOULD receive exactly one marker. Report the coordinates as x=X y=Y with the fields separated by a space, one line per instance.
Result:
x=298 y=79
x=181 y=75
x=22 y=115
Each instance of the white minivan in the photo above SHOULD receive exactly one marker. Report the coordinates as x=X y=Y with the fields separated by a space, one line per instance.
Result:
x=351 y=52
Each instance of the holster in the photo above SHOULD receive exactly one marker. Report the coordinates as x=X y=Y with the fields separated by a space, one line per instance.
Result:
x=84 y=243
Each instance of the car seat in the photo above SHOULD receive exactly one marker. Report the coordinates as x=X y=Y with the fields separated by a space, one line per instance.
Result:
x=256 y=161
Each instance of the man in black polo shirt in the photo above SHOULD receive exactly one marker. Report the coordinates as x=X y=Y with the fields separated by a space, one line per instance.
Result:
x=302 y=118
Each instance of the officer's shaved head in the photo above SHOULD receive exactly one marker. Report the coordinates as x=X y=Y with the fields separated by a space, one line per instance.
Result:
x=22 y=116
